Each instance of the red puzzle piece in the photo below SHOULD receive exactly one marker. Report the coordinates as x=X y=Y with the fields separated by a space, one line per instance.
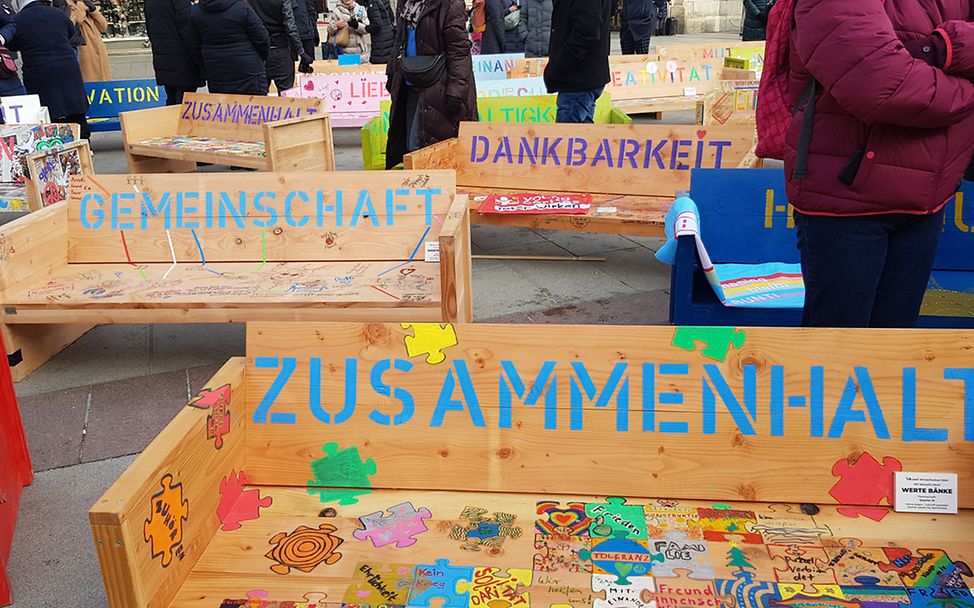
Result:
x=864 y=482
x=236 y=504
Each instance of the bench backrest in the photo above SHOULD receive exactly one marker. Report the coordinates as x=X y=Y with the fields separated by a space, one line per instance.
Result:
x=745 y=218
x=239 y=117
x=245 y=217
x=615 y=159
x=628 y=411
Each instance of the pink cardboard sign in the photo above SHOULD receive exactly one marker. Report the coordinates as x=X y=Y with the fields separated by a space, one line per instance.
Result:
x=353 y=99
x=528 y=203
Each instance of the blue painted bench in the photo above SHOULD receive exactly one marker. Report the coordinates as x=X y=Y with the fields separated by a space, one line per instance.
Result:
x=109 y=98
x=745 y=218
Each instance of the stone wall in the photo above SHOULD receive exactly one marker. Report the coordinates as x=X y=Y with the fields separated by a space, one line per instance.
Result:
x=698 y=16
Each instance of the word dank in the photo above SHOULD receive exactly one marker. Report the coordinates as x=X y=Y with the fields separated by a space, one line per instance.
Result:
x=858 y=404
x=192 y=210
x=663 y=154
x=248 y=114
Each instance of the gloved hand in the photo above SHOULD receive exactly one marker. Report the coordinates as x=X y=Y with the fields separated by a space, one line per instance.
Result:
x=353 y=23
x=932 y=50
x=305 y=66
x=454 y=106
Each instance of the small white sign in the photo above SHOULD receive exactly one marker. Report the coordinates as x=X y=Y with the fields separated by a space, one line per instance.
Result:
x=690 y=91
x=926 y=492
x=23 y=109
x=432 y=251
x=606 y=210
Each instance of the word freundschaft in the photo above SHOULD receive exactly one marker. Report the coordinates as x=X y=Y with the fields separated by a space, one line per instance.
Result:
x=858 y=406
x=192 y=210
x=663 y=154
x=246 y=113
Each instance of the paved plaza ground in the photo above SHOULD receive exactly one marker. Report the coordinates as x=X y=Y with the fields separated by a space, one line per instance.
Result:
x=92 y=408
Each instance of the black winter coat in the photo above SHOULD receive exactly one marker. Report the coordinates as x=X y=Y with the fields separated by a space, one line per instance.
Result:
x=77 y=39
x=639 y=18
x=51 y=69
x=441 y=28
x=305 y=18
x=495 y=36
x=579 y=47
x=382 y=27
x=278 y=17
x=166 y=22
x=756 y=19
x=230 y=42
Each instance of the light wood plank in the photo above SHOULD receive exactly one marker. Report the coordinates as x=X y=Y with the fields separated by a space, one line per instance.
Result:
x=239 y=117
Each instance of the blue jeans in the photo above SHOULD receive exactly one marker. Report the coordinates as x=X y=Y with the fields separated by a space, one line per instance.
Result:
x=866 y=271
x=578 y=107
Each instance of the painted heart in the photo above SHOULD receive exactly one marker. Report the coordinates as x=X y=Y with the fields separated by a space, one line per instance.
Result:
x=702 y=133
x=363 y=594
x=623 y=568
x=563 y=518
x=309 y=86
x=404 y=570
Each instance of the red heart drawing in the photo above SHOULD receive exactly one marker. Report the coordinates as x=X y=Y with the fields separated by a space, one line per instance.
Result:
x=309 y=86
x=563 y=518
x=702 y=133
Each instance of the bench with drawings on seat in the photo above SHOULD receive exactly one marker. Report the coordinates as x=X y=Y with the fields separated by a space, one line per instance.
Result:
x=216 y=248
x=250 y=132
x=631 y=172
x=745 y=218
x=469 y=465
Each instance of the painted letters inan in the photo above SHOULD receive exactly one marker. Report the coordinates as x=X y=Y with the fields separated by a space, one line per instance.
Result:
x=632 y=394
x=253 y=114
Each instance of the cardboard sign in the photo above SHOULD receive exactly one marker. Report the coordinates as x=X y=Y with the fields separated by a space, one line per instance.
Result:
x=494 y=67
x=641 y=160
x=352 y=99
x=925 y=492
x=23 y=110
x=108 y=99
x=514 y=87
x=529 y=204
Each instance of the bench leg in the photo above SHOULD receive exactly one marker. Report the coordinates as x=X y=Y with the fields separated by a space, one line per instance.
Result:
x=149 y=164
x=31 y=346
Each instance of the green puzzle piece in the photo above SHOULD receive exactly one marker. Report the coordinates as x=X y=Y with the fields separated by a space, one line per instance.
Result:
x=341 y=469
x=614 y=519
x=717 y=340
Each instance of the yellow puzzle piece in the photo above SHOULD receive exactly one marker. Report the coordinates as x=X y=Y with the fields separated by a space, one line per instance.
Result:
x=430 y=339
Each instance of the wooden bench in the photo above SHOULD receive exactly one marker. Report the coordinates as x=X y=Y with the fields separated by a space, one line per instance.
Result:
x=266 y=133
x=745 y=218
x=632 y=172
x=110 y=98
x=521 y=109
x=216 y=248
x=369 y=464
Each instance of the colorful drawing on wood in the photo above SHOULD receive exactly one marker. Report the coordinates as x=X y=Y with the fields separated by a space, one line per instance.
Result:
x=163 y=529
x=238 y=504
x=527 y=203
x=53 y=173
x=304 y=549
x=377 y=584
x=440 y=580
x=217 y=403
x=479 y=529
x=865 y=481
x=567 y=521
x=210 y=145
x=712 y=342
x=489 y=587
x=399 y=525
x=17 y=143
x=341 y=475
x=622 y=557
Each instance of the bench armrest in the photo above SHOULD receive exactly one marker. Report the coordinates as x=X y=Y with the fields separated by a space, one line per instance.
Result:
x=139 y=572
x=442 y=155
x=300 y=144
x=456 y=263
x=33 y=247
x=140 y=125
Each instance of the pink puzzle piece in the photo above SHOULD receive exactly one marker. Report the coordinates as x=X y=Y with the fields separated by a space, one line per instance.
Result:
x=237 y=504
x=864 y=483
x=402 y=524
x=207 y=398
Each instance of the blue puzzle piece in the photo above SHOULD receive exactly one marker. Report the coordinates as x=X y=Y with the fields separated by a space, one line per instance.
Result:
x=744 y=592
x=938 y=597
x=439 y=580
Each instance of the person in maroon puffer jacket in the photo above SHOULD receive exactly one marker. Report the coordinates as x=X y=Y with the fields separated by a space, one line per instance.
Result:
x=892 y=136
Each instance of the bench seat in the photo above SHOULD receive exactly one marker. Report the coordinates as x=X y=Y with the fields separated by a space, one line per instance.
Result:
x=234 y=562
x=204 y=149
x=120 y=293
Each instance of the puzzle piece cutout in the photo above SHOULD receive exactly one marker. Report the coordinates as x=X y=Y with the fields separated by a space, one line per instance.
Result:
x=430 y=339
x=480 y=529
x=637 y=594
x=557 y=520
x=926 y=568
x=561 y=553
x=718 y=525
x=936 y=597
x=439 y=580
x=868 y=595
x=794 y=596
x=237 y=504
x=614 y=518
x=163 y=530
x=680 y=552
x=377 y=584
x=341 y=475
x=402 y=524
x=622 y=557
x=787 y=528
x=744 y=592
x=863 y=483
x=854 y=563
x=666 y=516
x=807 y=566
x=304 y=549
x=207 y=398
x=717 y=341
x=489 y=588
x=787 y=591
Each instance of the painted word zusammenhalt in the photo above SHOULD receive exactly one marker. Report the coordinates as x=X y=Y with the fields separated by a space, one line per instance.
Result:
x=248 y=114
x=857 y=406
x=192 y=210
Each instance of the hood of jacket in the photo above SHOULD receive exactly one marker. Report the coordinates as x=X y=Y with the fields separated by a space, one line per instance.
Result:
x=217 y=6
